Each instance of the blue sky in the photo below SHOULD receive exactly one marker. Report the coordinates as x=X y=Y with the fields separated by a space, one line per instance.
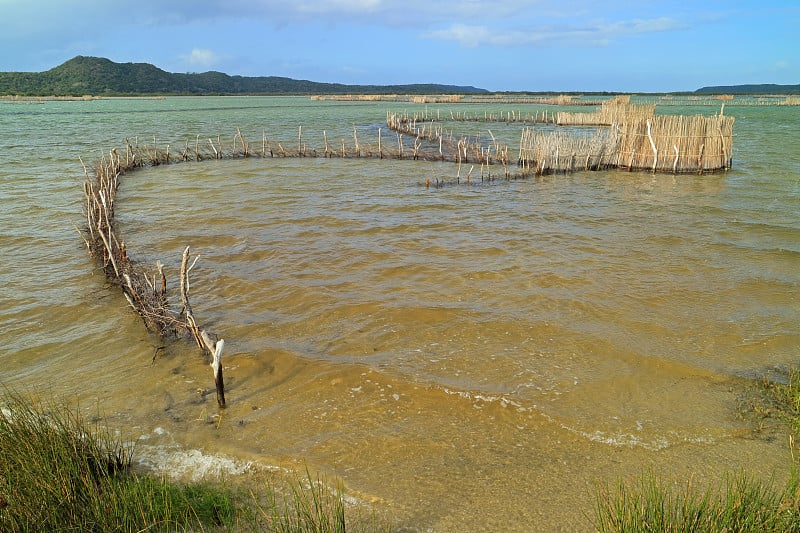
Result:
x=502 y=45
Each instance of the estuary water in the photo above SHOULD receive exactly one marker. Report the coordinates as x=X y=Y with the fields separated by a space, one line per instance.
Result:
x=478 y=357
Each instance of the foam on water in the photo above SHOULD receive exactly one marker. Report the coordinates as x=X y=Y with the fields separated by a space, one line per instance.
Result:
x=192 y=464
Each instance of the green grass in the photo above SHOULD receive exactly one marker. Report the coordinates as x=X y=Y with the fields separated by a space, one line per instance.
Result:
x=58 y=473
x=306 y=506
x=742 y=504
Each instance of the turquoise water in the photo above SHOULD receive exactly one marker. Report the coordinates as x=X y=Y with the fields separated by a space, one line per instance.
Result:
x=475 y=357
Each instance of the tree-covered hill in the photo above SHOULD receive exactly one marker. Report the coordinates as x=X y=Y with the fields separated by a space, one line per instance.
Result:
x=102 y=77
x=764 y=88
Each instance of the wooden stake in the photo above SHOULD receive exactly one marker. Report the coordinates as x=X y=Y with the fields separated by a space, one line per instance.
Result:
x=675 y=163
x=653 y=146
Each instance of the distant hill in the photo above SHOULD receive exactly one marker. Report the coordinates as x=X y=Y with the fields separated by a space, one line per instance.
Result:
x=766 y=88
x=98 y=76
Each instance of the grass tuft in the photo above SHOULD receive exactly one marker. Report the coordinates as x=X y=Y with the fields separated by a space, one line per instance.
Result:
x=744 y=504
x=307 y=506
x=58 y=473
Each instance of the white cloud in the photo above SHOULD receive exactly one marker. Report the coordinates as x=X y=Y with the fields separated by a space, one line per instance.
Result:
x=335 y=6
x=200 y=57
x=472 y=36
x=593 y=34
x=642 y=26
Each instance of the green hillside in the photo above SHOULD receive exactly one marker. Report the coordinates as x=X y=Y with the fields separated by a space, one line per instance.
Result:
x=102 y=77
x=764 y=88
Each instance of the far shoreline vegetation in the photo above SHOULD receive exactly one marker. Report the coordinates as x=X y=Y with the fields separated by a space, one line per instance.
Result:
x=86 y=78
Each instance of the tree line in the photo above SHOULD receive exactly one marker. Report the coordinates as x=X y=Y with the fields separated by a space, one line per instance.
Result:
x=97 y=76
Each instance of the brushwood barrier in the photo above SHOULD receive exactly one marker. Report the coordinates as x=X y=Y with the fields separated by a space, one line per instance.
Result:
x=628 y=136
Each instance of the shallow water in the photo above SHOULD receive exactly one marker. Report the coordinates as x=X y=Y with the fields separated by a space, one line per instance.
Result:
x=476 y=357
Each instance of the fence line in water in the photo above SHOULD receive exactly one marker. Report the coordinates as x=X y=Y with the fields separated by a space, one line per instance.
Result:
x=146 y=291
x=636 y=140
x=698 y=143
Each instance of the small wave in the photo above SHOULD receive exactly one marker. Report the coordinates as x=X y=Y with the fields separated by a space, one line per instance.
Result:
x=183 y=464
x=503 y=401
x=194 y=465
x=630 y=440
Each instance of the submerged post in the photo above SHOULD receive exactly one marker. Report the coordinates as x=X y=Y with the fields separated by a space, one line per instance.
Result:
x=216 y=365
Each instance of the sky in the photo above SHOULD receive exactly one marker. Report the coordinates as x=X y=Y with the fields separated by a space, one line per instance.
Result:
x=502 y=45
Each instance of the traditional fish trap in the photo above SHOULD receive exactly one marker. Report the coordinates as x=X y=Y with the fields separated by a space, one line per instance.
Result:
x=616 y=111
x=659 y=143
x=676 y=143
x=511 y=116
x=560 y=151
x=443 y=145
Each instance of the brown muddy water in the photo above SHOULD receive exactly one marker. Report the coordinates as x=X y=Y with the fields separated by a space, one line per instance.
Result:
x=472 y=358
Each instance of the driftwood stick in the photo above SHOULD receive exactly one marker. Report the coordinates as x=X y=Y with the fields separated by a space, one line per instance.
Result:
x=160 y=267
x=187 y=308
x=201 y=337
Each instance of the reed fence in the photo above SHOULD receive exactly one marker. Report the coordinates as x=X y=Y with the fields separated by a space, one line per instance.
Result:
x=636 y=140
x=560 y=151
x=415 y=98
x=616 y=111
x=542 y=116
x=677 y=143
x=659 y=143
x=477 y=98
x=640 y=141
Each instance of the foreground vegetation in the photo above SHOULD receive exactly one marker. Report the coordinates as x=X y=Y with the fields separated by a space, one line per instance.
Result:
x=744 y=504
x=59 y=474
